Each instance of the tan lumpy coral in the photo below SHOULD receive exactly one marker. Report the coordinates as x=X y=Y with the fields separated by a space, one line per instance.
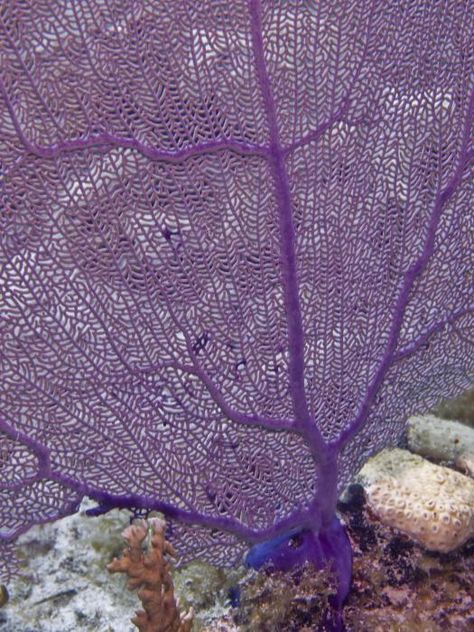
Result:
x=149 y=572
x=432 y=504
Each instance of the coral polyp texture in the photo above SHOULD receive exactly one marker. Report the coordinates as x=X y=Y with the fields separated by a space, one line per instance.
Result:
x=431 y=503
x=236 y=253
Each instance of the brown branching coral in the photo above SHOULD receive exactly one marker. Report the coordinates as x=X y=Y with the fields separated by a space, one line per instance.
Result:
x=149 y=572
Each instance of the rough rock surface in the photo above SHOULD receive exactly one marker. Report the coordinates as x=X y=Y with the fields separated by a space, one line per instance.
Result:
x=397 y=584
x=439 y=439
x=65 y=585
x=432 y=504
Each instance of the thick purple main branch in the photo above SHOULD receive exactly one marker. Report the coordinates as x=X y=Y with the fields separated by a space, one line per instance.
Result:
x=108 y=501
x=244 y=419
x=41 y=453
x=345 y=102
x=411 y=276
x=237 y=416
x=110 y=141
x=434 y=329
x=287 y=232
x=315 y=134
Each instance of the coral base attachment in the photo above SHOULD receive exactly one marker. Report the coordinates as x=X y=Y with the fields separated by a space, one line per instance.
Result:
x=327 y=548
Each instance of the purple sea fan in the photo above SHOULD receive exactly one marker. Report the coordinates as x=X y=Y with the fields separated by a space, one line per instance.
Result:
x=236 y=252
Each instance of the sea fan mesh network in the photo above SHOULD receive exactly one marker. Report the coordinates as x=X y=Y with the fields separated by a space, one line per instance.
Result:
x=230 y=232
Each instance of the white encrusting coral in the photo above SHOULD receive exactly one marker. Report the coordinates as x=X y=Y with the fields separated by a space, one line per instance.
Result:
x=431 y=503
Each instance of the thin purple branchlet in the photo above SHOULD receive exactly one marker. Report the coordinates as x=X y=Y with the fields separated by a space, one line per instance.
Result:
x=236 y=252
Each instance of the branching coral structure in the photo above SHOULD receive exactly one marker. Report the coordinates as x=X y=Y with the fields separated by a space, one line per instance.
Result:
x=149 y=572
x=235 y=256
